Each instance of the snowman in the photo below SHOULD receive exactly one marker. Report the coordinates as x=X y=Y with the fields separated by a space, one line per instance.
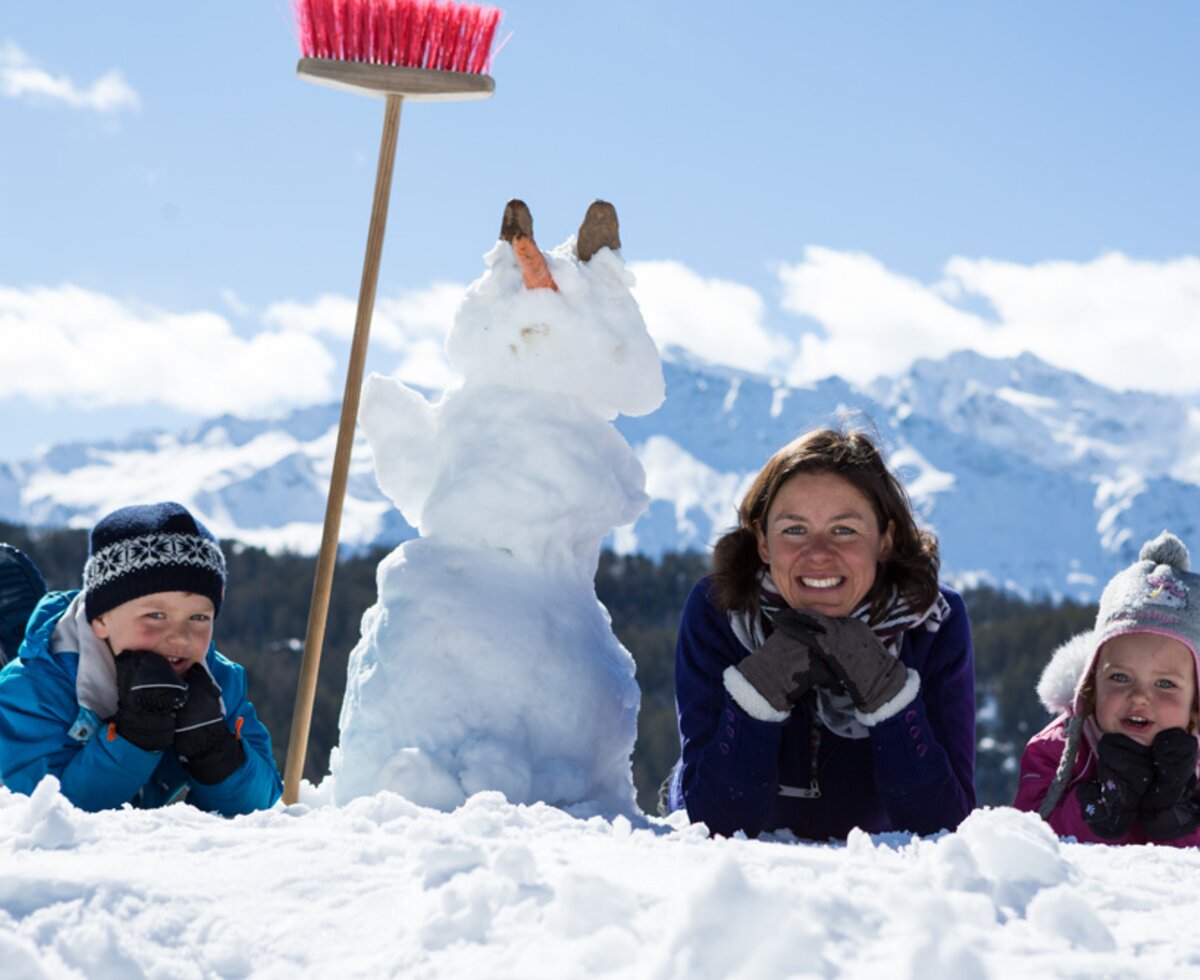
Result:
x=487 y=662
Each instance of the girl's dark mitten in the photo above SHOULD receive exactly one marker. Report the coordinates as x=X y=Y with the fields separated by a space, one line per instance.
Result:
x=1169 y=808
x=1110 y=801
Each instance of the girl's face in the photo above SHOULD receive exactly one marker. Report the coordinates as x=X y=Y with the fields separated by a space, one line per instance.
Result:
x=1145 y=684
x=822 y=542
x=178 y=626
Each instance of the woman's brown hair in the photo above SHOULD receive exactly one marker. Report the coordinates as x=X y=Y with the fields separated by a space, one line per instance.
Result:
x=911 y=567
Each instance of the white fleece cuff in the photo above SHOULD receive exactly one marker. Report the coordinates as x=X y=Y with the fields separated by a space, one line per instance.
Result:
x=748 y=698
x=890 y=709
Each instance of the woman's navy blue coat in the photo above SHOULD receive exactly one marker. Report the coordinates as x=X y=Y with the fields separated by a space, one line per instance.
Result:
x=914 y=772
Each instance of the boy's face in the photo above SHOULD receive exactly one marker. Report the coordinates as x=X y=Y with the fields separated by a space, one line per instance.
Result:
x=178 y=626
x=1145 y=684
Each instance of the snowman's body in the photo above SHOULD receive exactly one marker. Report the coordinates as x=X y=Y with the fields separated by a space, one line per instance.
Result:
x=487 y=662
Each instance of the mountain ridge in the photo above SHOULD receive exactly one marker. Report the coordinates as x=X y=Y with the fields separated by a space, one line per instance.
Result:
x=1035 y=479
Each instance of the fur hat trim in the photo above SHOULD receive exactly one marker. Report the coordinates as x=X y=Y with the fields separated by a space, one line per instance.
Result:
x=1061 y=678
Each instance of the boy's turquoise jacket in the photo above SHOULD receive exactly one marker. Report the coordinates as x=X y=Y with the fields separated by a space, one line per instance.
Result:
x=46 y=730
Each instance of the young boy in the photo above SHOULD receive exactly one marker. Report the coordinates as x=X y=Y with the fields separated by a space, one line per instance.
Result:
x=1119 y=763
x=118 y=690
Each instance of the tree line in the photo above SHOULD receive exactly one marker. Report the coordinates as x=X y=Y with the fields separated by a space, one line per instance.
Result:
x=265 y=614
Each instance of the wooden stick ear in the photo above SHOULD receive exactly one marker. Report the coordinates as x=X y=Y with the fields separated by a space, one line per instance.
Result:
x=599 y=230
x=517 y=223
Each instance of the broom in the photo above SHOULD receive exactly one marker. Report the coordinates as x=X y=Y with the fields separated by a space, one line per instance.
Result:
x=424 y=51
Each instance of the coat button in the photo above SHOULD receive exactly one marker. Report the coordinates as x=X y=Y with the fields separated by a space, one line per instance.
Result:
x=914 y=732
x=921 y=750
x=724 y=748
x=911 y=715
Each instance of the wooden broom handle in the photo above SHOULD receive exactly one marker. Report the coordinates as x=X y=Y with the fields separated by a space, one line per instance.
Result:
x=327 y=557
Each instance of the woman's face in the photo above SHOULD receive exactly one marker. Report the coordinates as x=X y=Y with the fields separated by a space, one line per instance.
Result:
x=822 y=543
x=1145 y=684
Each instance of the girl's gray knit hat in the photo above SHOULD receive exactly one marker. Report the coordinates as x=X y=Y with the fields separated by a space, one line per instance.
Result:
x=1156 y=594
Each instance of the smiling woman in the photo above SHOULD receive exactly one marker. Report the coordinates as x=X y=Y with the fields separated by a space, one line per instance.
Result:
x=823 y=679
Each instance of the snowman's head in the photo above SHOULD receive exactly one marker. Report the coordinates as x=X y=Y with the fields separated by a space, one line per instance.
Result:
x=562 y=321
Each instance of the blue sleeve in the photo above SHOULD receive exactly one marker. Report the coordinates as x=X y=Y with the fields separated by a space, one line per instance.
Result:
x=37 y=710
x=255 y=784
x=925 y=755
x=729 y=774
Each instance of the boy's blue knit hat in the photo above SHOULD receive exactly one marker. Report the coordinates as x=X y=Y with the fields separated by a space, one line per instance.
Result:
x=147 y=548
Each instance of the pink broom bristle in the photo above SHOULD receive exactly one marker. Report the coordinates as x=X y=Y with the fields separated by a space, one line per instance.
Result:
x=437 y=34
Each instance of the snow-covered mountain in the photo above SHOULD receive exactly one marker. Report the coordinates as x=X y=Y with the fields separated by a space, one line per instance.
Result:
x=1034 y=478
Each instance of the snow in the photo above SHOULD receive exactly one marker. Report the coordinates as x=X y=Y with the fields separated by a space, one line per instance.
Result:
x=487 y=662
x=383 y=887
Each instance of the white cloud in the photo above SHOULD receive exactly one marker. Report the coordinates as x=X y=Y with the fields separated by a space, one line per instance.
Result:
x=21 y=78
x=718 y=320
x=414 y=323
x=875 y=321
x=1122 y=322
x=70 y=346
x=328 y=314
x=236 y=306
x=423 y=313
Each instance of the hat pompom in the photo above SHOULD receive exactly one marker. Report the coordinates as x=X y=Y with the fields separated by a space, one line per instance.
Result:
x=1166 y=549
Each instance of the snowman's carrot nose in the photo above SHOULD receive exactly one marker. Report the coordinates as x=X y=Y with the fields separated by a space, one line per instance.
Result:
x=517 y=230
x=533 y=264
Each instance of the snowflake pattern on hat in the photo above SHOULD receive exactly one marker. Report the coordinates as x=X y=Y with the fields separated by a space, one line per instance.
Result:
x=149 y=551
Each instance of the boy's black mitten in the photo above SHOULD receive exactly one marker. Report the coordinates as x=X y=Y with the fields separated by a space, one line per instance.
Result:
x=852 y=651
x=1169 y=808
x=149 y=693
x=203 y=742
x=785 y=667
x=1124 y=771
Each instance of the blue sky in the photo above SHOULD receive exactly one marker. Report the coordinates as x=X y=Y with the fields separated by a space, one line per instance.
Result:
x=804 y=189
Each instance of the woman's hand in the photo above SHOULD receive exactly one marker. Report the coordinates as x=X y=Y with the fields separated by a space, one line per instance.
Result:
x=854 y=655
x=785 y=667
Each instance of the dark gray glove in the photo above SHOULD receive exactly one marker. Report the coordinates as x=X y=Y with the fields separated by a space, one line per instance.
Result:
x=784 y=668
x=203 y=741
x=1110 y=801
x=149 y=693
x=852 y=651
x=1169 y=808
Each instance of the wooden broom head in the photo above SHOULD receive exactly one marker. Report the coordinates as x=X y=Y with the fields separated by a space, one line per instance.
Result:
x=414 y=84
x=423 y=50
